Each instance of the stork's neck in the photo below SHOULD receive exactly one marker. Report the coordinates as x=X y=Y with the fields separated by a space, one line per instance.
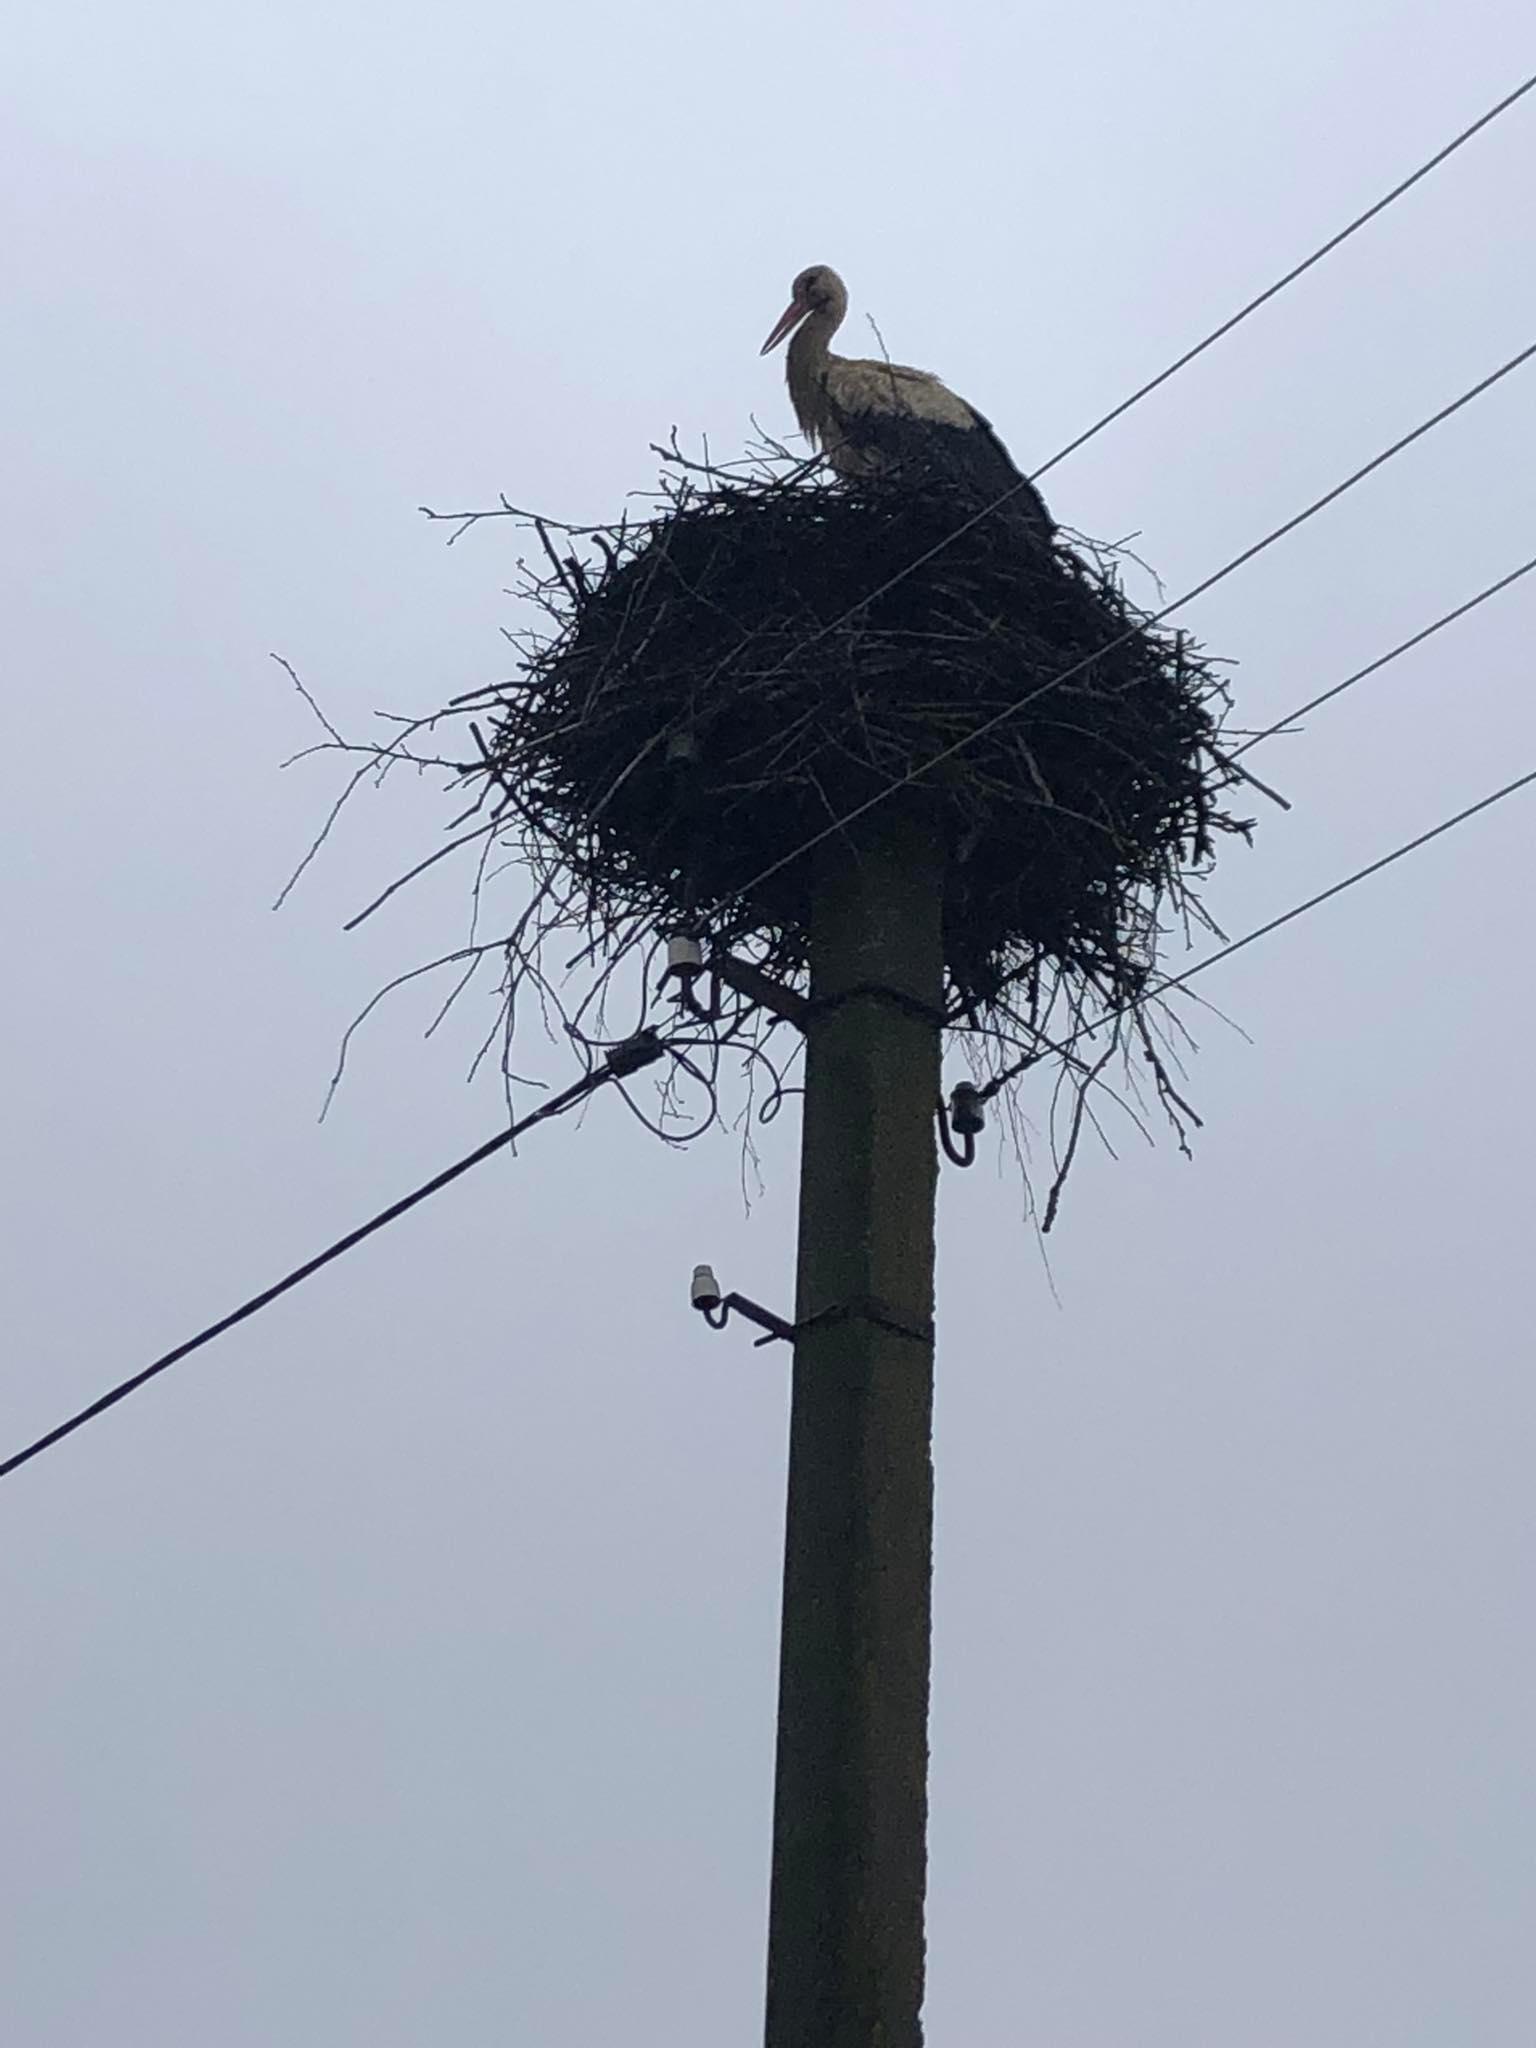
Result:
x=805 y=367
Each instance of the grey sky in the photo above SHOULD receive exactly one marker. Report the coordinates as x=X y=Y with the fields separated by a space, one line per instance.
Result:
x=402 y=1670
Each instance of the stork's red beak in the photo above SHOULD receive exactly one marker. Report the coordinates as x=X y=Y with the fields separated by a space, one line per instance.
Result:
x=787 y=321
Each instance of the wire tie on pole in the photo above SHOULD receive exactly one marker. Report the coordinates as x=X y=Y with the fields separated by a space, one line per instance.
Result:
x=878 y=991
x=866 y=1308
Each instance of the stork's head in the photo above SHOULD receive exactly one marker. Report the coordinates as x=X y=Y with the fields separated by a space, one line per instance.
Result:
x=817 y=289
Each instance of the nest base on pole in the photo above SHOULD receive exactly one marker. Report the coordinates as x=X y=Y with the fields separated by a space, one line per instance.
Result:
x=729 y=679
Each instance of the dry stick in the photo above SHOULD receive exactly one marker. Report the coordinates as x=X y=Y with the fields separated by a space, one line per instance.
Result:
x=293 y=677
x=429 y=860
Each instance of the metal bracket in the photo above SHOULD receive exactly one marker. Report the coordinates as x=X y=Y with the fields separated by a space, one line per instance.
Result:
x=686 y=967
x=716 y=1308
x=760 y=988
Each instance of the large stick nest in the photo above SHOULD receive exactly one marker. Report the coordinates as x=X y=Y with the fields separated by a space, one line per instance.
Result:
x=718 y=696
x=724 y=682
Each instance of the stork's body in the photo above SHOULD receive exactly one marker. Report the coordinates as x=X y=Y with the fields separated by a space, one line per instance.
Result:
x=874 y=418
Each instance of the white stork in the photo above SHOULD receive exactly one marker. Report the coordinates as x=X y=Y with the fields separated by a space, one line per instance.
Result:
x=871 y=417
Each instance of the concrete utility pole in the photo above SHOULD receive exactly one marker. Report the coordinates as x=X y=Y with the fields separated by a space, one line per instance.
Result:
x=845 y=1943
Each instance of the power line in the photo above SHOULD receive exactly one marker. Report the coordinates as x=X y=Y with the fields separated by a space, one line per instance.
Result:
x=1289 y=278
x=621 y=1061
x=1374 y=867
x=1186 y=597
x=1402 y=647
x=1176 y=981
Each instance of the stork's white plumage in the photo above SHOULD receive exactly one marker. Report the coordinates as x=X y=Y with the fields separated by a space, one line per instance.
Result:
x=873 y=417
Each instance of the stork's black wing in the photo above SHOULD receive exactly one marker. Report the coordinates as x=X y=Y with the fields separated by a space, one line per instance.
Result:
x=909 y=445
x=991 y=467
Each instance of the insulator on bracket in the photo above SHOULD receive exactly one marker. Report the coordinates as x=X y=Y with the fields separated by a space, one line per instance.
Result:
x=716 y=1308
x=967 y=1115
x=685 y=961
x=685 y=958
x=961 y=1119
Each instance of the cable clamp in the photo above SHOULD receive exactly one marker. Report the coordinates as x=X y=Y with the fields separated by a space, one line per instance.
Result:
x=631 y=1054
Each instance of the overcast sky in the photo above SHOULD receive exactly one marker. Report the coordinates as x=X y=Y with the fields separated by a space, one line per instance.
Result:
x=402 y=1670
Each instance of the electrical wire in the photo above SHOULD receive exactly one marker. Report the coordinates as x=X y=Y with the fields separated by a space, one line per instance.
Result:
x=1289 y=278
x=622 y=1060
x=1364 y=874
x=1371 y=667
x=1177 y=981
